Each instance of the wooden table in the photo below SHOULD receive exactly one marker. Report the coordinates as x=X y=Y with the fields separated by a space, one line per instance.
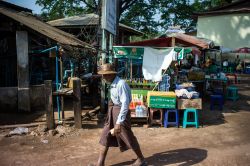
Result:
x=67 y=91
x=64 y=92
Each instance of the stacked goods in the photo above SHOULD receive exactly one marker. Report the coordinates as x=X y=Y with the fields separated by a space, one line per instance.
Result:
x=196 y=76
x=137 y=99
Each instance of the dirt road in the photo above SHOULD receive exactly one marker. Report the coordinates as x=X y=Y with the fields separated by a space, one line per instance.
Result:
x=224 y=139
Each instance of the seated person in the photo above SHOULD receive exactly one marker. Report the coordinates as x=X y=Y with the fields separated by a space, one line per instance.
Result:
x=237 y=60
x=208 y=62
x=239 y=68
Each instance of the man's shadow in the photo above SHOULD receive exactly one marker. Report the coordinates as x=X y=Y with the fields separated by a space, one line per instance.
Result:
x=181 y=157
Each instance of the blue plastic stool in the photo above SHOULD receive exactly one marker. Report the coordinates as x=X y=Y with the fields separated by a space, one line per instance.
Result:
x=216 y=99
x=232 y=93
x=166 y=118
x=247 y=70
x=185 y=117
x=218 y=91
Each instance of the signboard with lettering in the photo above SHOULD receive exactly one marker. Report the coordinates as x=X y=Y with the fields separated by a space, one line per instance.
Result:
x=128 y=52
x=162 y=102
x=109 y=16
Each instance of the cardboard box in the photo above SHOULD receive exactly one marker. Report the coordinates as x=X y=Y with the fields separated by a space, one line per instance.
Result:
x=189 y=103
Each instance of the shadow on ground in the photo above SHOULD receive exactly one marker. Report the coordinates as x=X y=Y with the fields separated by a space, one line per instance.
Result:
x=181 y=157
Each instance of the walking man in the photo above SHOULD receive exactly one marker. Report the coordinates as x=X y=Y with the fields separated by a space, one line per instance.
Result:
x=117 y=128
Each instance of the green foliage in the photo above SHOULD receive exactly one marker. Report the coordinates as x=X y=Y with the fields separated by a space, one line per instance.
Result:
x=55 y=9
x=140 y=17
x=135 y=13
x=138 y=14
x=180 y=12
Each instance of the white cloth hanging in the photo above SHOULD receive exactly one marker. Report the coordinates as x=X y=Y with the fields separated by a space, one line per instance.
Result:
x=154 y=60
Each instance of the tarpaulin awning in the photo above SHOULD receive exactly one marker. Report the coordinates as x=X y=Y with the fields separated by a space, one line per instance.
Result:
x=242 y=50
x=177 y=38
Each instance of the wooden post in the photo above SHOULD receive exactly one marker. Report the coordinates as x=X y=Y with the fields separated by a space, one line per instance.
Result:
x=23 y=71
x=173 y=42
x=77 y=103
x=49 y=104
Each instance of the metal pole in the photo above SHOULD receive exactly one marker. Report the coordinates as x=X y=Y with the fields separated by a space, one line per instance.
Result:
x=61 y=78
x=104 y=46
x=131 y=69
x=110 y=47
x=103 y=91
x=57 y=86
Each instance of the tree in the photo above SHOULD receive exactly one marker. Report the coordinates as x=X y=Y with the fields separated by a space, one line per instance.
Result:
x=140 y=17
x=56 y=9
x=135 y=13
x=179 y=12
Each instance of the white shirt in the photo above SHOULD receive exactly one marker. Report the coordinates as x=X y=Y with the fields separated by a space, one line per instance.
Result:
x=120 y=94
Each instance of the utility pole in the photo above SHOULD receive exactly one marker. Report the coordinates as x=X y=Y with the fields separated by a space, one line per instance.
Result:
x=103 y=58
x=109 y=26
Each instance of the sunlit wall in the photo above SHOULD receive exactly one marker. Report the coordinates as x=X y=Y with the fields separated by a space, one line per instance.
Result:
x=230 y=31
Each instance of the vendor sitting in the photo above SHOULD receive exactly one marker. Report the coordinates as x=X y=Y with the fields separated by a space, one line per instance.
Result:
x=208 y=62
x=239 y=68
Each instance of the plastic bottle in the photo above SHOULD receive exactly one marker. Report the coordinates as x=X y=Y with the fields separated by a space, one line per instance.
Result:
x=144 y=111
x=137 y=111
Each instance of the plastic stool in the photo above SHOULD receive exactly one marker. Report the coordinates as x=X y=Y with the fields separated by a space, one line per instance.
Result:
x=247 y=70
x=166 y=120
x=230 y=69
x=232 y=93
x=218 y=91
x=154 y=120
x=224 y=69
x=216 y=99
x=185 y=117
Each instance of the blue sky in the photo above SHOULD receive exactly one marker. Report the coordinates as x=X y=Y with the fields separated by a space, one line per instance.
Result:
x=30 y=4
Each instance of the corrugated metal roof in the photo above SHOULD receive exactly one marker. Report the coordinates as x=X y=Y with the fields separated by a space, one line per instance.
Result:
x=86 y=20
x=47 y=30
x=241 y=6
x=128 y=28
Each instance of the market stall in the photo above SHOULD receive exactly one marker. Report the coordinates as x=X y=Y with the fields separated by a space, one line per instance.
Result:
x=152 y=73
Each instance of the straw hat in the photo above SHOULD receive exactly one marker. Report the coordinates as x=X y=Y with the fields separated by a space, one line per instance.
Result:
x=106 y=69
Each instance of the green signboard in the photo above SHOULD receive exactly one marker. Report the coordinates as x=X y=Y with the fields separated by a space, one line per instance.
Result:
x=162 y=102
x=128 y=52
x=137 y=52
x=182 y=52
